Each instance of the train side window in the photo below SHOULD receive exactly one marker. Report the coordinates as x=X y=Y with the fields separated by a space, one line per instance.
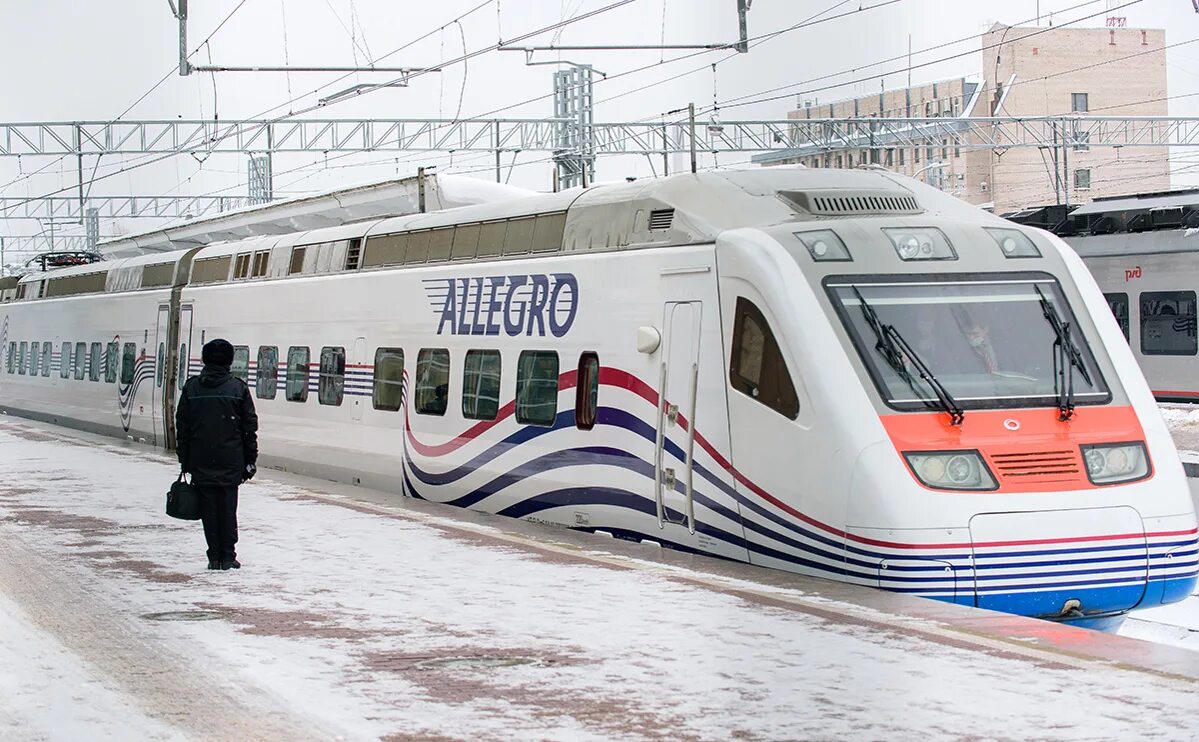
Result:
x=297 y=374
x=587 y=391
x=47 y=354
x=111 y=354
x=1118 y=303
x=241 y=363
x=757 y=368
x=64 y=361
x=128 y=362
x=35 y=355
x=331 y=389
x=1168 y=323
x=241 y=266
x=93 y=363
x=389 y=379
x=481 y=385
x=11 y=361
x=261 y=258
x=537 y=387
x=297 y=261
x=266 y=383
x=432 y=381
x=22 y=354
x=518 y=238
x=80 y=360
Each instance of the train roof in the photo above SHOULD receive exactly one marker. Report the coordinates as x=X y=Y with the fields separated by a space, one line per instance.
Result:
x=1135 y=243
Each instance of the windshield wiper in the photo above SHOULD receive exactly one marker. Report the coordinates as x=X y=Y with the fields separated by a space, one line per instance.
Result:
x=893 y=347
x=1066 y=358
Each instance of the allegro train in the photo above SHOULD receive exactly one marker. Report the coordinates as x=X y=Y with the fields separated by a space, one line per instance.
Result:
x=841 y=373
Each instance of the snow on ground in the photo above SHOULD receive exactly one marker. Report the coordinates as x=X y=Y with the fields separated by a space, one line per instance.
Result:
x=1183 y=422
x=362 y=625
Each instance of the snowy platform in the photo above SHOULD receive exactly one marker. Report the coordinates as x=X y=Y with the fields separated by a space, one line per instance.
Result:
x=362 y=615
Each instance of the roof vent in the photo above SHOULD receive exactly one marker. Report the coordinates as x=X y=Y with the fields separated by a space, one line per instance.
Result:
x=852 y=203
x=660 y=219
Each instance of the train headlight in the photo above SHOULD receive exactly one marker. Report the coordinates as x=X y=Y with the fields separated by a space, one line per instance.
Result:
x=1115 y=463
x=951 y=470
x=825 y=246
x=1013 y=243
x=924 y=243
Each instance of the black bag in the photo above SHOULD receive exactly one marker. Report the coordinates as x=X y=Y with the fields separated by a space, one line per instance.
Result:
x=183 y=501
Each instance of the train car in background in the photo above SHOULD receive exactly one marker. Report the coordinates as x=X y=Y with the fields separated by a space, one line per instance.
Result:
x=846 y=374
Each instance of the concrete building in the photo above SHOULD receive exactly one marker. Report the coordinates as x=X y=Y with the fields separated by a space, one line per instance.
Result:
x=1025 y=72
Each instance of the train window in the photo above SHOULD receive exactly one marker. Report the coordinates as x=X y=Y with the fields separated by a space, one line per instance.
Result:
x=93 y=363
x=417 y=249
x=297 y=261
x=261 y=259
x=64 y=361
x=519 y=236
x=388 y=249
x=441 y=242
x=47 y=355
x=297 y=374
x=1119 y=306
x=432 y=381
x=758 y=369
x=185 y=364
x=241 y=268
x=353 y=254
x=22 y=354
x=80 y=360
x=1168 y=323
x=466 y=242
x=128 y=362
x=241 y=363
x=389 y=379
x=211 y=270
x=587 y=391
x=547 y=233
x=491 y=238
x=481 y=385
x=266 y=382
x=331 y=389
x=111 y=353
x=160 y=364
x=537 y=387
x=11 y=361
x=35 y=355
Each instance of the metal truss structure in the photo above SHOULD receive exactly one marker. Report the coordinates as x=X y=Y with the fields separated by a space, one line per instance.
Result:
x=66 y=208
x=777 y=137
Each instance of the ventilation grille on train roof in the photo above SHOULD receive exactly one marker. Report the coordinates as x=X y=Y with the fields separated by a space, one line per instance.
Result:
x=852 y=203
x=1037 y=466
x=660 y=219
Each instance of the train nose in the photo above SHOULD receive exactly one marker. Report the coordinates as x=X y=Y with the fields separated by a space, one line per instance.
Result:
x=1064 y=564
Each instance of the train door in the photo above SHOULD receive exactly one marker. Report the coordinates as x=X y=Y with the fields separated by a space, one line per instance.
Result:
x=354 y=371
x=185 y=348
x=675 y=443
x=157 y=400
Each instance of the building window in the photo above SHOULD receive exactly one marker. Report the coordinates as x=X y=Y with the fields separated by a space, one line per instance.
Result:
x=537 y=388
x=47 y=354
x=112 y=355
x=297 y=374
x=758 y=369
x=1119 y=306
x=587 y=391
x=331 y=389
x=432 y=381
x=481 y=385
x=241 y=363
x=93 y=363
x=1082 y=178
x=1168 y=323
x=80 y=360
x=267 y=379
x=128 y=363
x=389 y=379
x=1079 y=103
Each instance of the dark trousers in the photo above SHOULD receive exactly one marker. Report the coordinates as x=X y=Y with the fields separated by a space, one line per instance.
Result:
x=219 y=514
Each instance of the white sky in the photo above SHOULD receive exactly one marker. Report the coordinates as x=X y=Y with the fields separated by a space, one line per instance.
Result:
x=65 y=60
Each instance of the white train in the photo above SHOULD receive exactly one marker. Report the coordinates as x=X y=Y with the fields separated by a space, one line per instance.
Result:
x=840 y=373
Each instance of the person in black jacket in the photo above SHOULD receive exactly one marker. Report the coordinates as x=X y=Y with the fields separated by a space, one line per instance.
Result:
x=218 y=445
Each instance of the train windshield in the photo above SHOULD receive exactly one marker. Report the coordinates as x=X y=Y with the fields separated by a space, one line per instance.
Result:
x=988 y=342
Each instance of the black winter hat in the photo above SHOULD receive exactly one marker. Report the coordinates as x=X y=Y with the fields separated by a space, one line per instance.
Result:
x=218 y=352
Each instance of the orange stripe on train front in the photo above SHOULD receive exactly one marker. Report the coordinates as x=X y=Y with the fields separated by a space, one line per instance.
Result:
x=1028 y=450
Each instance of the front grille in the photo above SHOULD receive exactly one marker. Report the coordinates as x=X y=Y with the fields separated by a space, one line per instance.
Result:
x=1037 y=466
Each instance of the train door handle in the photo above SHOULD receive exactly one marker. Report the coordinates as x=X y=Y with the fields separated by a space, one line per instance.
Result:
x=672 y=413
